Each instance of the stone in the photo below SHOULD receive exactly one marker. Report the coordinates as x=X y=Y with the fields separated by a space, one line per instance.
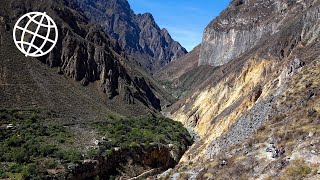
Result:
x=72 y=166
x=96 y=142
x=164 y=174
x=84 y=82
x=311 y=134
x=9 y=126
x=223 y=163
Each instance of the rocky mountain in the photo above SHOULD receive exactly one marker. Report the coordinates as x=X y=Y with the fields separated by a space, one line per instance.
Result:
x=84 y=110
x=176 y=69
x=87 y=55
x=240 y=28
x=261 y=92
x=251 y=87
x=138 y=34
x=182 y=76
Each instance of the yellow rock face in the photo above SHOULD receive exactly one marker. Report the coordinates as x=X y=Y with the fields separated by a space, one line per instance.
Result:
x=211 y=105
x=218 y=107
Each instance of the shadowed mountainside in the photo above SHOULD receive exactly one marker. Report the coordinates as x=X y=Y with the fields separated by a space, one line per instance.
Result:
x=83 y=53
x=137 y=34
x=80 y=111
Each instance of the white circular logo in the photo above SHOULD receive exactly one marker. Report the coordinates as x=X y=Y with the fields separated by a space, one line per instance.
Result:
x=35 y=34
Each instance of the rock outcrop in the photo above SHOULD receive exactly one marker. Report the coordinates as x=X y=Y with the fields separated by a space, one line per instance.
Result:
x=257 y=50
x=138 y=34
x=130 y=162
x=246 y=24
x=86 y=54
x=85 y=80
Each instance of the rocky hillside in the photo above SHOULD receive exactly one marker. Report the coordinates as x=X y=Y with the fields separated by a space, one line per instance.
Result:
x=244 y=25
x=181 y=76
x=79 y=112
x=85 y=54
x=176 y=69
x=262 y=91
x=138 y=34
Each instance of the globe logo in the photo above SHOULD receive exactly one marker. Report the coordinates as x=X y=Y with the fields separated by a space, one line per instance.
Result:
x=35 y=34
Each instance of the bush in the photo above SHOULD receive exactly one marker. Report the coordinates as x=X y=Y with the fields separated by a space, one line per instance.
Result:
x=29 y=170
x=47 y=149
x=132 y=132
x=2 y=174
x=27 y=144
x=73 y=156
x=20 y=155
x=16 y=168
x=50 y=163
x=14 y=141
x=93 y=153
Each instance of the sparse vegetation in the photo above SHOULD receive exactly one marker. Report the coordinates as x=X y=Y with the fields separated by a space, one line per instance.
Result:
x=298 y=169
x=144 y=131
x=29 y=146
x=166 y=84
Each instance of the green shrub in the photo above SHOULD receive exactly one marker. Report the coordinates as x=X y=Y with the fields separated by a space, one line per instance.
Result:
x=60 y=154
x=20 y=155
x=29 y=170
x=16 y=168
x=2 y=174
x=73 y=156
x=93 y=153
x=27 y=143
x=133 y=132
x=47 y=149
x=50 y=163
x=14 y=140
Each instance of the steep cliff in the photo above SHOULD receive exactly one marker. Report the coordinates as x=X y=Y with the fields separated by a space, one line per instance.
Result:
x=258 y=49
x=244 y=25
x=79 y=112
x=85 y=54
x=138 y=34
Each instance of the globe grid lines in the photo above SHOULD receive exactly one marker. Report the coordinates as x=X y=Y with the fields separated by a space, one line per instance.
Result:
x=34 y=37
x=25 y=47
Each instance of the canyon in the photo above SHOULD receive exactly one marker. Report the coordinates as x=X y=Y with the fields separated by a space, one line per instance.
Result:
x=89 y=108
x=105 y=98
x=263 y=63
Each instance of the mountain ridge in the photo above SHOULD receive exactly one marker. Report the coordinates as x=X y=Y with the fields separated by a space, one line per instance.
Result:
x=138 y=34
x=85 y=110
x=100 y=60
x=241 y=106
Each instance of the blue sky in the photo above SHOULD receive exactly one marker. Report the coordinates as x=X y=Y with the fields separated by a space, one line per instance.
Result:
x=184 y=19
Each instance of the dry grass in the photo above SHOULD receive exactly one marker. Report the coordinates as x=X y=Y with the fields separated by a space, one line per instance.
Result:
x=297 y=170
x=268 y=178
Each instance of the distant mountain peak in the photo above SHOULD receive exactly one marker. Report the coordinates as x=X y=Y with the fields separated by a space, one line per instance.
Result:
x=138 y=34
